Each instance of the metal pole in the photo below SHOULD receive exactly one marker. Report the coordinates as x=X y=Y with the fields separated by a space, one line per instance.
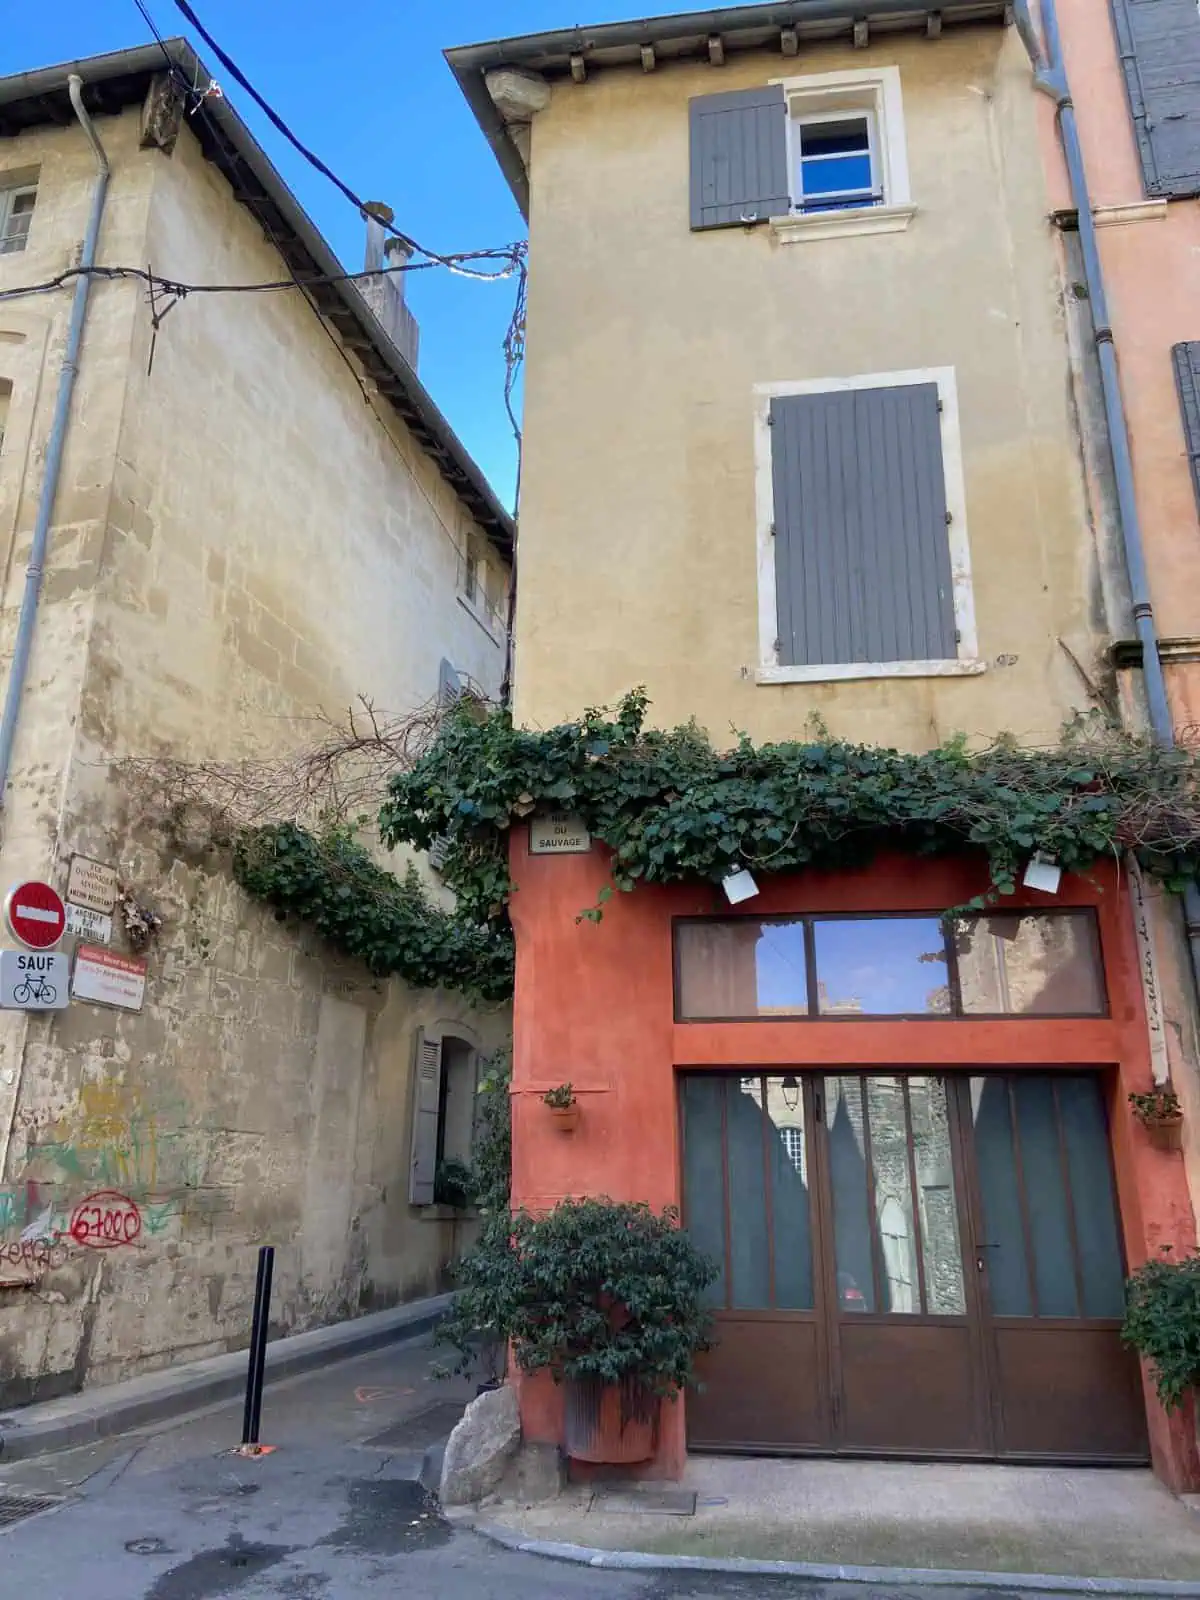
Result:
x=27 y=617
x=252 y=1415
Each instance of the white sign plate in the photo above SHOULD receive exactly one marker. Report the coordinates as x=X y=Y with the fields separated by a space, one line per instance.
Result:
x=92 y=885
x=32 y=980
x=108 y=979
x=87 y=924
x=1139 y=900
x=558 y=833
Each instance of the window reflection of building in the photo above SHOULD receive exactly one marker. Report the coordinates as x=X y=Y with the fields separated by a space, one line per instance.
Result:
x=896 y=1127
x=1029 y=965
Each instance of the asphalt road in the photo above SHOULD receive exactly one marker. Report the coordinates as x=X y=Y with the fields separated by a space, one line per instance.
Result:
x=333 y=1513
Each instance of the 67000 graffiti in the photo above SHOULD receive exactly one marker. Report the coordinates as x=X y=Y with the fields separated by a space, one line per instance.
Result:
x=105 y=1220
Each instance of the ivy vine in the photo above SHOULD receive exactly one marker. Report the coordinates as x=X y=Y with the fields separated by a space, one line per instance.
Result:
x=389 y=923
x=671 y=808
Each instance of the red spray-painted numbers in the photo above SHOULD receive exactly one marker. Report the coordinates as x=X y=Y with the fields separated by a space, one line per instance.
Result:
x=105 y=1220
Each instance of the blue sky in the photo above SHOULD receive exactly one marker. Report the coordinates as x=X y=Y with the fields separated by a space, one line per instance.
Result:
x=363 y=83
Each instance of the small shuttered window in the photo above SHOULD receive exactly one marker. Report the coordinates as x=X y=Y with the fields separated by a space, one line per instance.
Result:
x=1186 y=358
x=1159 y=44
x=862 y=554
x=739 y=157
x=427 y=1100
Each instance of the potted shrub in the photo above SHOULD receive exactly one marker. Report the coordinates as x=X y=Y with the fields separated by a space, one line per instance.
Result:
x=1161 y=1114
x=564 y=1108
x=1162 y=1322
x=608 y=1298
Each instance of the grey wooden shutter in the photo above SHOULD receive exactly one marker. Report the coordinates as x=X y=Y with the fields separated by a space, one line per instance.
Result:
x=1159 y=43
x=427 y=1097
x=739 y=159
x=862 y=557
x=1186 y=358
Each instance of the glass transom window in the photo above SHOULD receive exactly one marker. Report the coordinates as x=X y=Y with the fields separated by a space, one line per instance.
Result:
x=1045 y=963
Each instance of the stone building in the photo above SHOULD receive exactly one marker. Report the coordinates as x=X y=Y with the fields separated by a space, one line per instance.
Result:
x=260 y=514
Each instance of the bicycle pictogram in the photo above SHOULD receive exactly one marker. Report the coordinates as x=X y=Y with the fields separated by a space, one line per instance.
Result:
x=35 y=990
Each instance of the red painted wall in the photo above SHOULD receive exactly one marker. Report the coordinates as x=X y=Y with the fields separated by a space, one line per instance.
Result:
x=594 y=1006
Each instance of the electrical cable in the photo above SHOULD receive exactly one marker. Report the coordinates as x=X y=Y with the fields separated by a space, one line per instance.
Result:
x=178 y=287
x=311 y=156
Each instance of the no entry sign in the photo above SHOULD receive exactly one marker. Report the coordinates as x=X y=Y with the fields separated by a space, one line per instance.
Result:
x=35 y=915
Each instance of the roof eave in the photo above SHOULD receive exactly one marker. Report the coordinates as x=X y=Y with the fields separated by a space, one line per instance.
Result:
x=823 y=19
x=227 y=141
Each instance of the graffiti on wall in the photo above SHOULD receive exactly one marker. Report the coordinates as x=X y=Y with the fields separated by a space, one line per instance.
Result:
x=110 y=1174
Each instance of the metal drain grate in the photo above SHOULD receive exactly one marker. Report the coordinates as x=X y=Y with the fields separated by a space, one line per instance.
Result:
x=16 y=1507
x=420 y=1430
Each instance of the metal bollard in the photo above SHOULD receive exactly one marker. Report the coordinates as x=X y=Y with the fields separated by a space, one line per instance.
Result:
x=252 y=1416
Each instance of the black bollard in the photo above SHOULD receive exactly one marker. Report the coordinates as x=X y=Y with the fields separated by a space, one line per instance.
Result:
x=252 y=1416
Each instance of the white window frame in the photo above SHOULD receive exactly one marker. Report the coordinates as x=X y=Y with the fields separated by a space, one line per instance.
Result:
x=827 y=97
x=966 y=663
x=8 y=199
x=796 y=157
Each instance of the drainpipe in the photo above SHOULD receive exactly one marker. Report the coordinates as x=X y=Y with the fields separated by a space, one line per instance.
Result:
x=1050 y=76
x=68 y=372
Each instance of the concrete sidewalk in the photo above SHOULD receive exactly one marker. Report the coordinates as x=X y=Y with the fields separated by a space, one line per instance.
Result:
x=114 y=1408
x=980 y=1520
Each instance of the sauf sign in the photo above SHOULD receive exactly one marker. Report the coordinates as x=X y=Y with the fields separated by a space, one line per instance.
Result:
x=34 y=982
x=36 y=978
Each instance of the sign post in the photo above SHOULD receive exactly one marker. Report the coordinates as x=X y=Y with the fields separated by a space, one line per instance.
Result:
x=35 y=915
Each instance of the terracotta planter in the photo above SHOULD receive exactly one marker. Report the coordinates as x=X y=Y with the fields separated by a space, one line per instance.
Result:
x=610 y=1424
x=1167 y=1132
x=565 y=1118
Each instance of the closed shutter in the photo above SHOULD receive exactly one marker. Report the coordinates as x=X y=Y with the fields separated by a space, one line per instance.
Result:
x=739 y=157
x=1159 y=43
x=1186 y=358
x=862 y=557
x=427 y=1097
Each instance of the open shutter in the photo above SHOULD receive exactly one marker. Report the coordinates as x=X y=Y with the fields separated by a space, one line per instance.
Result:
x=1186 y=358
x=427 y=1096
x=739 y=158
x=862 y=557
x=1159 y=43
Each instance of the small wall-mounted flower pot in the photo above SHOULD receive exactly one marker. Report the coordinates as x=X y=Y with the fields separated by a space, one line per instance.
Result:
x=1167 y=1132
x=565 y=1118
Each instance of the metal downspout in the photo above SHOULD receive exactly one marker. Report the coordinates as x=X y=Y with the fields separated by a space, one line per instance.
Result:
x=68 y=372
x=1050 y=76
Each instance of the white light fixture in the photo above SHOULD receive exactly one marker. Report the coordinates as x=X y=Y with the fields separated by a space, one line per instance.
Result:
x=1043 y=874
x=739 y=886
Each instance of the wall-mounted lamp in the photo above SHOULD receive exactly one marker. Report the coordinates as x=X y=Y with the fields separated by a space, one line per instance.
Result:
x=739 y=886
x=791 y=1091
x=1043 y=874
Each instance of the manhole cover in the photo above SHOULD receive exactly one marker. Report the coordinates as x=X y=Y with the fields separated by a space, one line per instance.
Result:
x=16 y=1507
x=420 y=1430
x=643 y=1502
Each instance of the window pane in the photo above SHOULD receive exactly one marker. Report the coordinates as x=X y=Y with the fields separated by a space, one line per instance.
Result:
x=1046 y=1197
x=1030 y=965
x=893 y=966
x=1004 y=1239
x=945 y=1295
x=893 y=1195
x=837 y=175
x=789 y=1195
x=703 y=1174
x=749 y=1253
x=741 y=968
x=1085 y=1134
x=848 y=1180
x=834 y=138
